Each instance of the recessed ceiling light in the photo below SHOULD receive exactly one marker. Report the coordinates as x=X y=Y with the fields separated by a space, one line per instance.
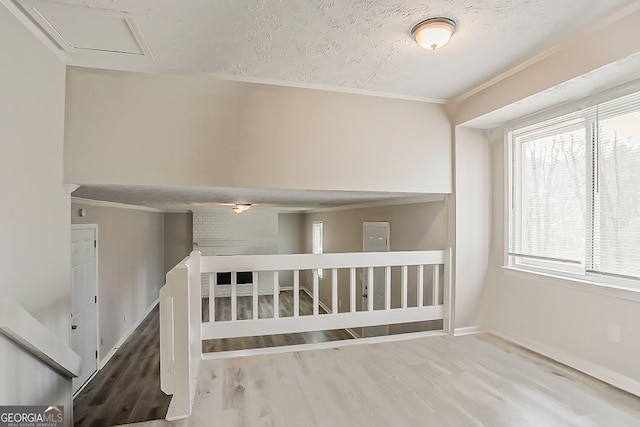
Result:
x=239 y=208
x=433 y=33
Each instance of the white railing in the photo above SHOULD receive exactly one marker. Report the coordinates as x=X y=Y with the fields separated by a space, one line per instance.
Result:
x=17 y=324
x=180 y=337
x=182 y=331
x=414 y=311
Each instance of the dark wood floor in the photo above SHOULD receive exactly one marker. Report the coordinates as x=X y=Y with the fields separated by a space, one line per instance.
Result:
x=265 y=310
x=127 y=389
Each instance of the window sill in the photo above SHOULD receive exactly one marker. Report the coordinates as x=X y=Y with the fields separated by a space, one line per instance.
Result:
x=580 y=284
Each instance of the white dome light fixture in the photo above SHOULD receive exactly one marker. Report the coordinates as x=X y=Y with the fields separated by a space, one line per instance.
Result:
x=433 y=33
x=239 y=208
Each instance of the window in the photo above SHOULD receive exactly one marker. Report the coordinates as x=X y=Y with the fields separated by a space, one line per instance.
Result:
x=574 y=192
x=317 y=237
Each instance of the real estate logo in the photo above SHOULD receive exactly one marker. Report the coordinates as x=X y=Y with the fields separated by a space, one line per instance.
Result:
x=31 y=416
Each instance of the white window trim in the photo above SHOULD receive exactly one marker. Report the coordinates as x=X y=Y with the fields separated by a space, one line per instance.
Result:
x=577 y=283
x=610 y=285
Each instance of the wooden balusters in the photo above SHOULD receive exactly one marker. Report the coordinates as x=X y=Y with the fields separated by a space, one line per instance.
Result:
x=334 y=290
x=387 y=288
x=352 y=290
x=436 y=284
x=234 y=296
x=315 y=292
x=420 y=286
x=276 y=295
x=296 y=293
x=213 y=280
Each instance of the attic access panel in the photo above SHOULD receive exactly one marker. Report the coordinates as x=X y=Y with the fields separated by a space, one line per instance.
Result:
x=85 y=29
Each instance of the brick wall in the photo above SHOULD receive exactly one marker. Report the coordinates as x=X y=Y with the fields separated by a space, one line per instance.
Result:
x=220 y=231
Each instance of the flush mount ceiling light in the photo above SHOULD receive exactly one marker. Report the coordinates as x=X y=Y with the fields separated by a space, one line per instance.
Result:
x=239 y=208
x=433 y=33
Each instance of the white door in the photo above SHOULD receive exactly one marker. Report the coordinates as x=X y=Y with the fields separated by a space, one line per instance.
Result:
x=376 y=239
x=83 y=302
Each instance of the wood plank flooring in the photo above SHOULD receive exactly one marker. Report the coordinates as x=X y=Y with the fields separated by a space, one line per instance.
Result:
x=127 y=389
x=475 y=380
x=265 y=310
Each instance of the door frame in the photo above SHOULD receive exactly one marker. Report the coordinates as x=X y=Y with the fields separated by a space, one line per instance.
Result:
x=93 y=227
x=385 y=224
x=379 y=224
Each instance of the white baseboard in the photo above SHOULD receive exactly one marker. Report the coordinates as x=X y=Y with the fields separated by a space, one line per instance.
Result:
x=469 y=330
x=320 y=303
x=126 y=335
x=85 y=384
x=592 y=369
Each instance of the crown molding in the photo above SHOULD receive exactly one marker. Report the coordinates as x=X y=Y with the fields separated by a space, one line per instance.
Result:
x=598 y=25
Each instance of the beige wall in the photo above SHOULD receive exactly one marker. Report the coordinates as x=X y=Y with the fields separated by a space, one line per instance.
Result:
x=291 y=233
x=234 y=134
x=34 y=209
x=472 y=210
x=420 y=226
x=290 y=241
x=178 y=238
x=130 y=266
x=563 y=320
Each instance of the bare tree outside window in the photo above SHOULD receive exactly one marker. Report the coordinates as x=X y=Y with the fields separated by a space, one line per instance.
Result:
x=617 y=214
x=553 y=196
x=575 y=192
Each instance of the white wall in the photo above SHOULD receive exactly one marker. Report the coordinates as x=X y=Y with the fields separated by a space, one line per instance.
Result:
x=34 y=209
x=130 y=267
x=136 y=128
x=563 y=320
x=220 y=231
x=472 y=225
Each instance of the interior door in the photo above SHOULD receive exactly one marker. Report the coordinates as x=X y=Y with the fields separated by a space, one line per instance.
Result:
x=84 y=302
x=376 y=239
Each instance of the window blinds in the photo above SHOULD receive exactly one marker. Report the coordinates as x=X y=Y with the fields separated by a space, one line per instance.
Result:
x=548 y=193
x=616 y=191
x=575 y=189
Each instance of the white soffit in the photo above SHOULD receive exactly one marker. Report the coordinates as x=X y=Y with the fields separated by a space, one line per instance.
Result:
x=80 y=29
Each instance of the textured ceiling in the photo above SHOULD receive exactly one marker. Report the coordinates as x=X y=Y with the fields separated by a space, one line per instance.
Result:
x=352 y=45
x=360 y=45
x=194 y=197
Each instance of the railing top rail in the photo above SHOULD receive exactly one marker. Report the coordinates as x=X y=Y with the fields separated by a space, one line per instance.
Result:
x=312 y=261
x=17 y=324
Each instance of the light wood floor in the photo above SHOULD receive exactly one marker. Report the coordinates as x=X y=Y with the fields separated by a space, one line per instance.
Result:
x=436 y=381
x=265 y=310
x=127 y=389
